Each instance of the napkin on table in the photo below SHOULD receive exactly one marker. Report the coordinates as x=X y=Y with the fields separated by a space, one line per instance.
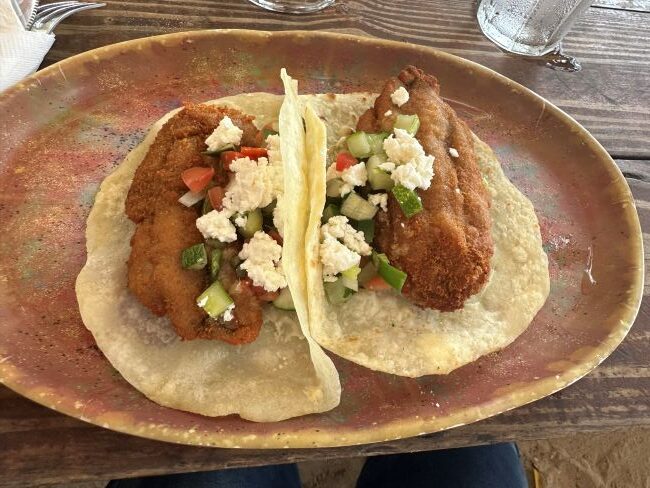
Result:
x=21 y=51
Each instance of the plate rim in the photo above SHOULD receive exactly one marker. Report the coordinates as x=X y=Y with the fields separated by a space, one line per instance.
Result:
x=310 y=437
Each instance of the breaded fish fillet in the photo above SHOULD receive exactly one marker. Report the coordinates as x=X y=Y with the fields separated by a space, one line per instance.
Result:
x=446 y=248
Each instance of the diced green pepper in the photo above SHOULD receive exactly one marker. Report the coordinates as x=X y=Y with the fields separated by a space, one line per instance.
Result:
x=359 y=145
x=207 y=206
x=215 y=263
x=214 y=300
x=194 y=257
x=330 y=211
x=217 y=152
x=368 y=229
x=349 y=278
x=408 y=200
x=409 y=123
x=391 y=275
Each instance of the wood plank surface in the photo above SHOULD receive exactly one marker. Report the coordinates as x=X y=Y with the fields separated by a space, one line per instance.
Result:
x=610 y=96
x=40 y=446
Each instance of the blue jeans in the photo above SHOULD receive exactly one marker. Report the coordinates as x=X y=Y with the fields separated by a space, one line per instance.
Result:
x=495 y=466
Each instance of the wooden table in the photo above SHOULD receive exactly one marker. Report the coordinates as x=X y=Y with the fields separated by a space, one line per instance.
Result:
x=610 y=97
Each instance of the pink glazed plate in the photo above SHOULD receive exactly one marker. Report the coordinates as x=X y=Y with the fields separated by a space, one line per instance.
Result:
x=65 y=128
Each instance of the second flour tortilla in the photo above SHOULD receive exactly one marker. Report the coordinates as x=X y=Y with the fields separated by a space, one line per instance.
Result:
x=385 y=332
x=283 y=374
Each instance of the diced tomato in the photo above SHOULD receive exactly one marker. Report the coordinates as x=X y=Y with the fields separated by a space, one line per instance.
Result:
x=254 y=152
x=228 y=157
x=259 y=291
x=377 y=283
x=216 y=194
x=197 y=177
x=276 y=236
x=344 y=160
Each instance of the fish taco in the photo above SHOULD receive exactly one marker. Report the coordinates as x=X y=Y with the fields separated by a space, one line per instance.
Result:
x=195 y=285
x=421 y=255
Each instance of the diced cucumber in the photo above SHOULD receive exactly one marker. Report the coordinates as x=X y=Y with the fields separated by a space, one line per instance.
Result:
x=284 y=300
x=368 y=272
x=409 y=123
x=215 y=263
x=330 y=211
x=268 y=210
x=214 y=300
x=349 y=278
x=337 y=292
x=377 y=142
x=358 y=208
x=359 y=145
x=217 y=152
x=391 y=275
x=408 y=200
x=254 y=222
x=368 y=229
x=194 y=257
x=334 y=188
x=377 y=177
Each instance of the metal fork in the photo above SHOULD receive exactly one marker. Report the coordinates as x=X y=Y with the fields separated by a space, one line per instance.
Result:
x=49 y=15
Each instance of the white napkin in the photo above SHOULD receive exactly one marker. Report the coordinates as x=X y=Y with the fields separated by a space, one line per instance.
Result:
x=21 y=51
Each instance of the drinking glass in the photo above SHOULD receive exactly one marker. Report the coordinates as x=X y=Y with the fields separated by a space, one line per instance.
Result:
x=293 y=6
x=529 y=27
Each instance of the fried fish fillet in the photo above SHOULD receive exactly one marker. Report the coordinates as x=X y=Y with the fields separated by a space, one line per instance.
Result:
x=165 y=227
x=446 y=248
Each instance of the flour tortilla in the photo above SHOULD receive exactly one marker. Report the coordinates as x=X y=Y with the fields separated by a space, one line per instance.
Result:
x=283 y=374
x=385 y=332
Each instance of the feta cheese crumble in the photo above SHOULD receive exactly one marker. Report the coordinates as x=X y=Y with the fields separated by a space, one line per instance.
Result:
x=413 y=168
x=255 y=184
x=228 y=314
x=262 y=259
x=216 y=224
x=388 y=113
x=400 y=96
x=379 y=200
x=224 y=135
x=355 y=175
x=453 y=152
x=337 y=256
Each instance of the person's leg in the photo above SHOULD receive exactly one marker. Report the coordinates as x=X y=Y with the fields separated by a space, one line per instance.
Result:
x=282 y=476
x=496 y=466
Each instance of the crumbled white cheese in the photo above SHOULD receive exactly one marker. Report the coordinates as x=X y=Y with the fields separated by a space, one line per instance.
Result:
x=355 y=175
x=216 y=224
x=388 y=167
x=255 y=184
x=400 y=96
x=225 y=134
x=388 y=113
x=413 y=168
x=228 y=314
x=336 y=257
x=262 y=260
x=241 y=220
x=379 y=200
x=339 y=228
x=453 y=152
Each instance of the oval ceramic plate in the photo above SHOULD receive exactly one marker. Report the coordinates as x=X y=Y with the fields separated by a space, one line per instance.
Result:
x=65 y=128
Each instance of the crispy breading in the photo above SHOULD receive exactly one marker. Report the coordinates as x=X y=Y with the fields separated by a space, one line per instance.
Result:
x=165 y=227
x=446 y=248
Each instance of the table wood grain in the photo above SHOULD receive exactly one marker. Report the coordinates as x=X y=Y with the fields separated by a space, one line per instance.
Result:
x=610 y=96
